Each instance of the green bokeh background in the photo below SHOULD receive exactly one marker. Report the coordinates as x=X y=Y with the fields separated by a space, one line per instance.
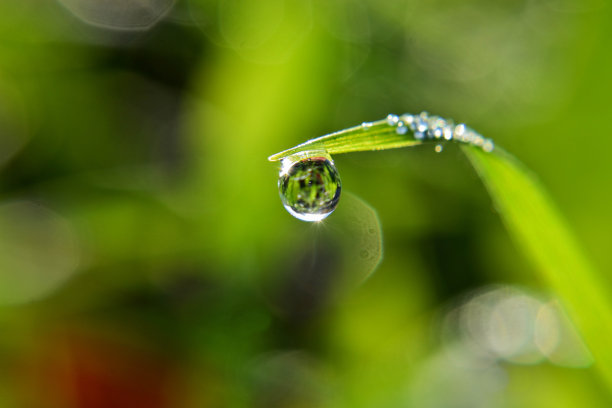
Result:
x=133 y=165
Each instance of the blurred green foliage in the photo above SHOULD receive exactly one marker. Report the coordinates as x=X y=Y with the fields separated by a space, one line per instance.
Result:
x=151 y=259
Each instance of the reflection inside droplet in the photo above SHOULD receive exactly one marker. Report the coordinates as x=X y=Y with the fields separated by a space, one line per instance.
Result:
x=309 y=186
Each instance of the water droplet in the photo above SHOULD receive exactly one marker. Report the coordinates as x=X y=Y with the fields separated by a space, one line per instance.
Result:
x=469 y=136
x=459 y=132
x=408 y=120
x=401 y=130
x=477 y=140
x=448 y=132
x=438 y=148
x=309 y=187
x=392 y=119
x=422 y=122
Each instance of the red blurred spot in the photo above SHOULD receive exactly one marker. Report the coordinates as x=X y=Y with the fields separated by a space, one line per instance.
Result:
x=76 y=371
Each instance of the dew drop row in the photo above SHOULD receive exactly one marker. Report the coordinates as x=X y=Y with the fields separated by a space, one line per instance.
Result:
x=425 y=127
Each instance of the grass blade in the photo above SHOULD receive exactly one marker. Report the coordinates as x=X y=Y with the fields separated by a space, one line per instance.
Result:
x=541 y=233
x=368 y=136
x=529 y=215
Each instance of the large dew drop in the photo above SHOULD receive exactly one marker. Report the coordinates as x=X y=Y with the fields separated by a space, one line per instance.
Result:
x=309 y=187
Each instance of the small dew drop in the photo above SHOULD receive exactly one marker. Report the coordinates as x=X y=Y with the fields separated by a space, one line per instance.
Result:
x=421 y=124
x=469 y=136
x=392 y=119
x=448 y=132
x=408 y=119
x=459 y=132
x=309 y=188
x=438 y=148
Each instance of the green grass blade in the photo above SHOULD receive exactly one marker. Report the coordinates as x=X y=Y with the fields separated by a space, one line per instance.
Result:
x=530 y=217
x=540 y=231
x=376 y=135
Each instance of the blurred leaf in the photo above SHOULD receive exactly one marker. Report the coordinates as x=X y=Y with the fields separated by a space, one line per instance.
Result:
x=541 y=233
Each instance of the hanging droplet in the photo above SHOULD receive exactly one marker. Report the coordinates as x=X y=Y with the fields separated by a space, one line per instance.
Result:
x=309 y=187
